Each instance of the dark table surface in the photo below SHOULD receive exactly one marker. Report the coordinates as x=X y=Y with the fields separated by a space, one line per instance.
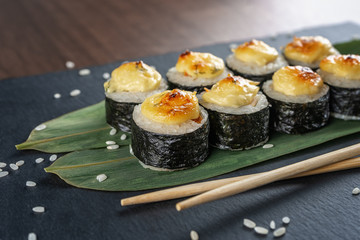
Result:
x=320 y=207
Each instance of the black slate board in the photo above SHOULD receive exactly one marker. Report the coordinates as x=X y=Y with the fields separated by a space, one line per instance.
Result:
x=320 y=207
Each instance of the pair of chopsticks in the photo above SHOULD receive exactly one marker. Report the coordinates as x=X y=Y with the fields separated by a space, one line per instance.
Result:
x=217 y=189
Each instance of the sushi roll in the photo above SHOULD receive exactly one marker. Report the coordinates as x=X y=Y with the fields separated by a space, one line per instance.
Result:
x=128 y=86
x=194 y=71
x=342 y=73
x=238 y=112
x=308 y=51
x=170 y=131
x=255 y=60
x=299 y=100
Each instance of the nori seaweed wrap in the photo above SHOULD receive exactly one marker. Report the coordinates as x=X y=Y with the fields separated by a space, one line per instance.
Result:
x=118 y=114
x=345 y=102
x=171 y=139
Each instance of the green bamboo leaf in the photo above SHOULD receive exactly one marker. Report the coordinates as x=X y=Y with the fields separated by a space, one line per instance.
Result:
x=352 y=47
x=82 y=129
x=126 y=174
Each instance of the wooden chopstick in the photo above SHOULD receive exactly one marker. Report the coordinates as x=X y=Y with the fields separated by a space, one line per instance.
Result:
x=270 y=176
x=197 y=188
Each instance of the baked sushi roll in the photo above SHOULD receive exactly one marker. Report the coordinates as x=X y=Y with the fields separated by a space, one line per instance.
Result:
x=128 y=86
x=308 y=51
x=342 y=74
x=238 y=112
x=299 y=100
x=194 y=71
x=255 y=60
x=170 y=131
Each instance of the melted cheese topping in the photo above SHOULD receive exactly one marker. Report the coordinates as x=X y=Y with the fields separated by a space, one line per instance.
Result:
x=346 y=66
x=133 y=77
x=232 y=91
x=172 y=107
x=295 y=81
x=308 y=49
x=255 y=52
x=200 y=65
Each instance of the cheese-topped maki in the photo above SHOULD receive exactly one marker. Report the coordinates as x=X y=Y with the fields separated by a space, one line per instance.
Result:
x=299 y=100
x=342 y=73
x=170 y=131
x=194 y=71
x=238 y=113
x=255 y=60
x=129 y=85
x=308 y=51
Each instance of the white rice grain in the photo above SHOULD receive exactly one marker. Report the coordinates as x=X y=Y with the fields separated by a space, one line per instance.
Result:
x=356 y=191
x=39 y=160
x=286 y=220
x=279 y=232
x=38 y=209
x=40 y=127
x=75 y=92
x=106 y=75
x=4 y=173
x=113 y=147
x=261 y=230
x=13 y=166
x=113 y=131
x=268 y=146
x=249 y=224
x=0 y=169
x=123 y=137
x=233 y=46
x=20 y=163
x=53 y=157
x=110 y=142
x=194 y=235
x=32 y=236
x=101 y=177
x=272 y=225
x=69 y=64
x=84 y=72
x=2 y=164
x=30 y=184
x=57 y=95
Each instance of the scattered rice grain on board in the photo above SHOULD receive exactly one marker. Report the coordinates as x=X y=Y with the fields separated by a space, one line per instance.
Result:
x=261 y=230
x=75 y=92
x=286 y=220
x=32 y=236
x=20 y=163
x=53 y=157
x=279 y=232
x=0 y=169
x=101 y=177
x=268 y=145
x=4 y=173
x=110 y=142
x=356 y=191
x=2 y=164
x=123 y=137
x=57 y=95
x=40 y=127
x=84 y=72
x=272 y=225
x=112 y=147
x=113 y=131
x=106 y=75
x=248 y=223
x=69 y=64
x=39 y=160
x=30 y=184
x=194 y=235
x=13 y=166
x=38 y=209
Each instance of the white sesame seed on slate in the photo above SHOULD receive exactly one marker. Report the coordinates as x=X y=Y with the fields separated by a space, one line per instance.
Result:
x=75 y=92
x=110 y=142
x=39 y=160
x=233 y=46
x=106 y=75
x=286 y=220
x=13 y=166
x=84 y=72
x=356 y=191
x=69 y=64
x=194 y=235
x=131 y=150
x=30 y=184
x=123 y=137
x=268 y=145
x=32 y=236
x=38 y=209
x=261 y=230
x=57 y=95
x=248 y=223
x=40 y=127
x=101 y=177
x=113 y=147
x=53 y=157
x=112 y=131
x=20 y=163
x=279 y=232
x=272 y=225
x=2 y=164
x=4 y=173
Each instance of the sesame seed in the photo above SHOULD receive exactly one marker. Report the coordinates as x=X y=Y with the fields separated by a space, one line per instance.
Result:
x=110 y=142
x=53 y=157
x=279 y=232
x=356 y=191
x=32 y=236
x=2 y=164
x=69 y=64
x=38 y=209
x=84 y=72
x=272 y=225
x=40 y=127
x=4 y=173
x=75 y=92
x=194 y=235
x=123 y=137
x=20 y=163
x=261 y=230
x=13 y=166
x=106 y=75
x=113 y=131
x=30 y=184
x=268 y=145
x=113 y=147
x=57 y=95
x=248 y=223
x=39 y=160
x=286 y=220
x=101 y=177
